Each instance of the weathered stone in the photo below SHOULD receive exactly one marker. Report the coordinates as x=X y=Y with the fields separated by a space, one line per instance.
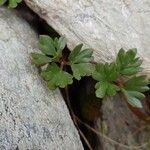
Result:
x=31 y=116
x=122 y=126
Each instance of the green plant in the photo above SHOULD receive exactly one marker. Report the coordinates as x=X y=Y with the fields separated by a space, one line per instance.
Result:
x=120 y=75
x=55 y=62
x=11 y=3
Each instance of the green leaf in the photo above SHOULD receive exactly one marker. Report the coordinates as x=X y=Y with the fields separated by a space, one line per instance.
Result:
x=130 y=71
x=107 y=72
x=112 y=89
x=13 y=3
x=120 y=57
x=136 y=94
x=51 y=47
x=99 y=73
x=101 y=89
x=133 y=98
x=135 y=102
x=59 y=44
x=127 y=62
x=82 y=69
x=84 y=56
x=80 y=62
x=80 y=56
x=137 y=83
x=62 y=42
x=2 y=2
x=56 y=42
x=105 y=88
x=131 y=53
x=40 y=59
x=56 y=77
x=133 y=89
x=75 y=52
x=46 y=45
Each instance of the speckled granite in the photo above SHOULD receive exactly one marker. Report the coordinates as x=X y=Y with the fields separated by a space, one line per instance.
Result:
x=31 y=116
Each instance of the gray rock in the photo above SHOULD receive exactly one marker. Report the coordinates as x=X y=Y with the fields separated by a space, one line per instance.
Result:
x=31 y=116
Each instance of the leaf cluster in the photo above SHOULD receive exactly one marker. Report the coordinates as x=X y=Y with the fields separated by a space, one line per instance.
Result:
x=133 y=90
x=11 y=3
x=106 y=75
x=127 y=62
x=55 y=62
x=121 y=76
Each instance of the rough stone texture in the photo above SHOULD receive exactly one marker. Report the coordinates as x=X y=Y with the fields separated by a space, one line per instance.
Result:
x=31 y=116
x=104 y=25
x=123 y=126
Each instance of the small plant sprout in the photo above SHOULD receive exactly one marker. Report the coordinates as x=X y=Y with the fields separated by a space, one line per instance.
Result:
x=55 y=60
x=121 y=75
x=11 y=3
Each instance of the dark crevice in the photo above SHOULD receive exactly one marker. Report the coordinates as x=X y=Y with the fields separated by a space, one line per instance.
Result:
x=86 y=106
x=37 y=23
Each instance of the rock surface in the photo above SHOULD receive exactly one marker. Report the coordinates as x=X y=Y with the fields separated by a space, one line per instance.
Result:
x=104 y=25
x=31 y=116
x=122 y=126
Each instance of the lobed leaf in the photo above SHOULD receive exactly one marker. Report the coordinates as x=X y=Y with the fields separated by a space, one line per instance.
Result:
x=2 y=2
x=51 y=47
x=56 y=77
x=112 y=89
x=46 y=45
x=39 y=59
x=101 y=89
x=133 y=89
x=105 y=88
x=127 y=62
x=62 y=42
x=133 y=98
x=82 y=69
x=80 y=56
x=137 y=83
x=106 y=72
x=11 y=3
x=75 y=52
x=80 y=62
